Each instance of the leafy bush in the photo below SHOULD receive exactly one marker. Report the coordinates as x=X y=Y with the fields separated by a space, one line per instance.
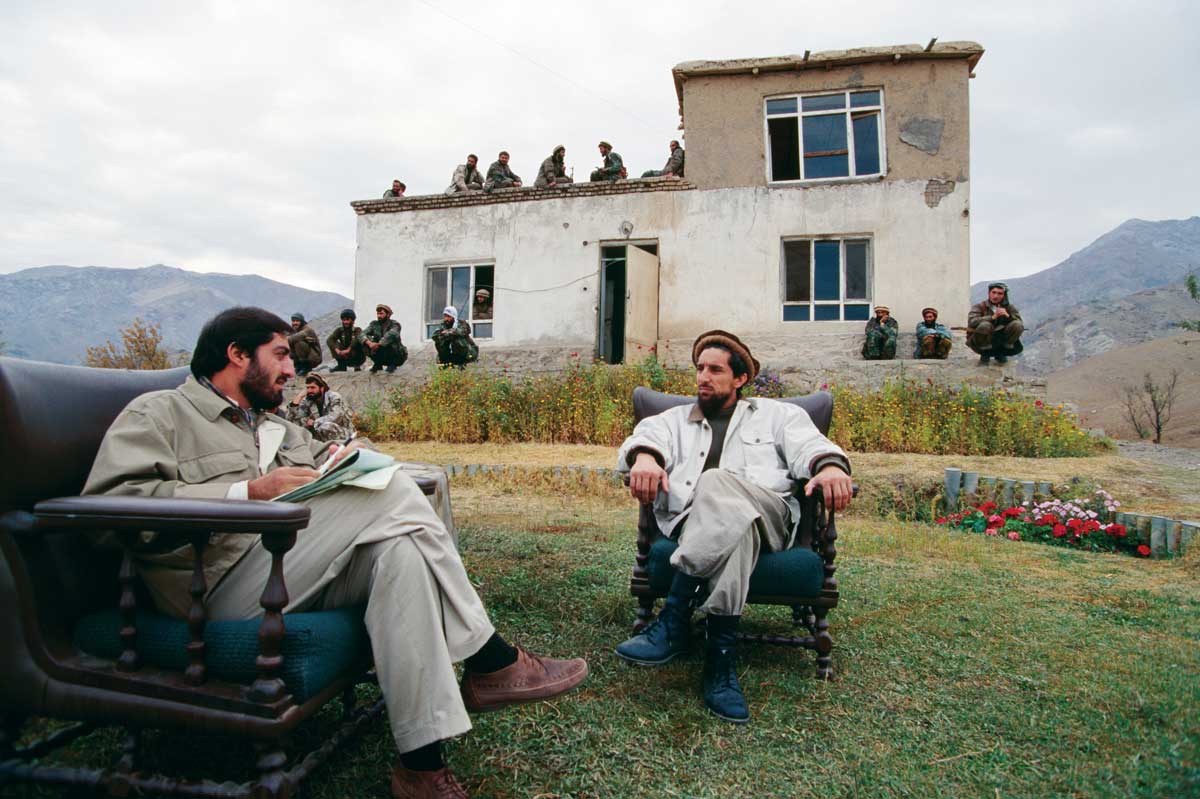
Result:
x=910 y=416
x=591 y=404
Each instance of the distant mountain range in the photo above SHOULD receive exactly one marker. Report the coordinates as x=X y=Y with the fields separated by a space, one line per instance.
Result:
x=54 y=313
x=1124 y=288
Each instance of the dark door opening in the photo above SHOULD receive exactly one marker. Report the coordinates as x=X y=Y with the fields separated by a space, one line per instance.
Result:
x=615 y=298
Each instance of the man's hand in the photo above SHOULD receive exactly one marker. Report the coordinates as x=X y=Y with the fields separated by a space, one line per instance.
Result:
x=279 y=481
x=835 y=485
x=1000 y=312
x=300 y=397
x=645 y=478
x=309 y=423
x=337 y=451
x=372 y=345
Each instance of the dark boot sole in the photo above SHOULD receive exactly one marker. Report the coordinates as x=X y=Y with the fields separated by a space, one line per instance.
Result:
x=637 y=662
x=730 y=719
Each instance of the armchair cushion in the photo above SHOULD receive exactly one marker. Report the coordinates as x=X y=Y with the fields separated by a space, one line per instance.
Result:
x=797 y=572
x=317 y=647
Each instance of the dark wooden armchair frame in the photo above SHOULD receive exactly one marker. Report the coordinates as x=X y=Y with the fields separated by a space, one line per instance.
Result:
x=53 y=419
x=817 y=530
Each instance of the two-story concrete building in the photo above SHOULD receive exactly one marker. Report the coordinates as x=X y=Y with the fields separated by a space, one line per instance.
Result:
x=816 y=186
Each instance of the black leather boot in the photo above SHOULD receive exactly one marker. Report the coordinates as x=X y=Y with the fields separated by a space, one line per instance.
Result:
x=722 y=692
x=665 y=638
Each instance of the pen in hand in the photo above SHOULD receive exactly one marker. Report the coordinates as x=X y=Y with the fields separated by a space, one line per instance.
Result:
x=333 y=456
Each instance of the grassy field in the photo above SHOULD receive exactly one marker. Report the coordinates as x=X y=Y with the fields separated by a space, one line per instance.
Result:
x=965 y=667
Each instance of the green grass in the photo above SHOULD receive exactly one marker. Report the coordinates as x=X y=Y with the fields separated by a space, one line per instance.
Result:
x=965 y=666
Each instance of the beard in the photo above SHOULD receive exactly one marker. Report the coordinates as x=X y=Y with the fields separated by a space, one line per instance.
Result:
x=713 y=403
x=260 y=389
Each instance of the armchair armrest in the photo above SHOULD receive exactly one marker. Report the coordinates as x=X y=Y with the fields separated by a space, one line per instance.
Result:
x=121 y=513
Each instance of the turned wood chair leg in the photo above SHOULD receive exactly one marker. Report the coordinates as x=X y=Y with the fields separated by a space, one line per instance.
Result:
x=645 y=613
x=272 y=779
x=824 y=645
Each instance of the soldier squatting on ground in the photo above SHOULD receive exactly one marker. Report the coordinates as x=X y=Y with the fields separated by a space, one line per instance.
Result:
x=382 y=341
x=346 y=343
x=994 y=326
x=305 y=346
x=453 y=341
x=321 y=411
x=882 y=331
x=933 y=338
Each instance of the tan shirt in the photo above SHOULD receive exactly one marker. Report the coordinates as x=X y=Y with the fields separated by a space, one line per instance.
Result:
x=189 y=442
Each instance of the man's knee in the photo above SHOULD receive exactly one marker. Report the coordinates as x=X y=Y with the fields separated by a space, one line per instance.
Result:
x=984 y=329
x=715 y=480
x=1014 y=329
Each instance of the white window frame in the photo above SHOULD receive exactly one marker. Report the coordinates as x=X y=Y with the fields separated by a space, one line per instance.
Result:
x=799 y=115
x=472 y=264
x=812 y=278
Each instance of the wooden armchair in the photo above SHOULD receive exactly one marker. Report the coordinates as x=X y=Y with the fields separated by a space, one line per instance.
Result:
x=801 y=577
x=79 y=640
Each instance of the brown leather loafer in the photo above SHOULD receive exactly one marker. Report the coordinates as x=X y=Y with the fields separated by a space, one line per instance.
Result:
x=531 y=679
x=438 y=784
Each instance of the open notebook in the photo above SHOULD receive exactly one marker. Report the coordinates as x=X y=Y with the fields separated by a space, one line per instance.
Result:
x=363 y=468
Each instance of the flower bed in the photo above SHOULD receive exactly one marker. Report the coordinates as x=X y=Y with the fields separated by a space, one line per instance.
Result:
x=1075 y=523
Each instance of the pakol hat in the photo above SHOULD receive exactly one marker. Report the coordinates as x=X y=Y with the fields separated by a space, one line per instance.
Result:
x=386 y=308
x=605 y=144
x=883 y=308
x=313 y=377
x=729 y=341
x=484 y=292
x=349 y=314
x=928 y=310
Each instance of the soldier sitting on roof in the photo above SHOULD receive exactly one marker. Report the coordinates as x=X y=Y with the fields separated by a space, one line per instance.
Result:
x=466 y=177
x=553 y=171
x=499 y=176
x=613 y=165
x=673 y=167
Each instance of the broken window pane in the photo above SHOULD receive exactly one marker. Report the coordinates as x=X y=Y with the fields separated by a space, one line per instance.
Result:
x=825 y=152
x=435 y=296
x=823 y=102
x=785 y=148
x=856 y=270
x=827 y=313
x=827 y=268
x=797 y=286
x=866 y=143
x=795 y=313
x=786 y=105
x=860 y=99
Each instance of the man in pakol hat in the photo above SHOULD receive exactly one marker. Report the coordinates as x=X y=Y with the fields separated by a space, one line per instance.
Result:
x=994 y=326
x=481 y=309
x=346 y=343
x=553 y=171
x=613 y=165
x=721 y=475
x=933 y=338
x=382 y=341
x=306 y=347
x=321 y=411
x=882 y=331
x=453 y=341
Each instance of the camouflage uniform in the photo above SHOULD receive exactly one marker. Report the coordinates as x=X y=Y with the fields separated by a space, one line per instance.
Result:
x=553 y=170
x=393 y=353
x=999 y=337
x=329 y=414
x=674 y=166
x=305 y=346
x=499 y=176
x=933 y=341
x=343 y=338
x=455 y=347
x=466 y=178
x=611 y=169
x=881 y=340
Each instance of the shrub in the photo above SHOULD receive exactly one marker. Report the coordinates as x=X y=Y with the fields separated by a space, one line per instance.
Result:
x=910 y=416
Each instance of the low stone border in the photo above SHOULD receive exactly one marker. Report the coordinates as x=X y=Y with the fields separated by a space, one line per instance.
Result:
x=473 y=469
x=1165 y=536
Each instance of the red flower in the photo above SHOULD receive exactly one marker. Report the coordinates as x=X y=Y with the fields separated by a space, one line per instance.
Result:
x=1049 y=520
x=1059 y=531
x=995 y=521
x=1091 y=526
x=1116 y=530
x=1037 y=403
x=574 y=354
x=1075 y=524
x=987 y=507
x=1143 y=550
x=940 y=520
x=1012 y=512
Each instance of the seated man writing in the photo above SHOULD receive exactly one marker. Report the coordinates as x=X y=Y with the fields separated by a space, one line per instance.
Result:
x=721 y=474
x=386 y=549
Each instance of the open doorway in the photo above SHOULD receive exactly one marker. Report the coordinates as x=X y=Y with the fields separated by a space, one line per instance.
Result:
x=628 y=316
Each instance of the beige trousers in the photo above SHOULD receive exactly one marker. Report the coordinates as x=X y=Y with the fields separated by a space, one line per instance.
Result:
x=730 y=523
x=390 y=550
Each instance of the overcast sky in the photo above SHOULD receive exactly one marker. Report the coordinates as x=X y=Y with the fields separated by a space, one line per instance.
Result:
x=231 y=136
